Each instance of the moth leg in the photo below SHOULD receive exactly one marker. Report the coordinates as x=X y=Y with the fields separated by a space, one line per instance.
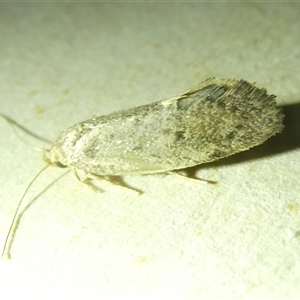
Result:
x=87 y=181
x=116 y=180
x=188 y=176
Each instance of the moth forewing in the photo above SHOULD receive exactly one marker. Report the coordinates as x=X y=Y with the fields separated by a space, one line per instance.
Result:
x=212 y=120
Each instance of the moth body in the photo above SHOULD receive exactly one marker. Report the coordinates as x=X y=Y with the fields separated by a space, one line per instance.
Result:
x=212 y=120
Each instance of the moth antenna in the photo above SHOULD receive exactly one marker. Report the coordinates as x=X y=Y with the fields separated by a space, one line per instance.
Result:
x=12 y=122
x=8 y=242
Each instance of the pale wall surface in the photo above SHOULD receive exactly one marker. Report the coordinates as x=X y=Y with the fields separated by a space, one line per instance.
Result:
x=63 y=63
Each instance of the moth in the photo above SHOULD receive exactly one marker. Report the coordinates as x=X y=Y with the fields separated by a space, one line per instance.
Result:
x=209 y=121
